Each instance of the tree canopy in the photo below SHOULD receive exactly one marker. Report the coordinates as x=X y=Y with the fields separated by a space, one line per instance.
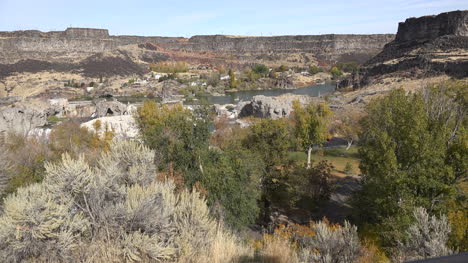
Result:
x=406 y=149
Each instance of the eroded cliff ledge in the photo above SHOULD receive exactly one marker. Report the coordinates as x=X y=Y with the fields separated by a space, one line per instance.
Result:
x=424 y=46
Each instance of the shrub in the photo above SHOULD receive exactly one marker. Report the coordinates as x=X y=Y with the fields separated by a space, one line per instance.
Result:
x=331 y=243
x=314 y=70
x=168 y=77
x=213 y=79
x=348 y=168
x=282 y=68
x=169 y=67
x=25 y=157
x=118 y=201
x=318 y=242
x=426 y=238
x=251 y=76
x=292 y=186
x=260 y=69
x=54 y=119
x=336 y=72
x=5 y=166
x=347 y=66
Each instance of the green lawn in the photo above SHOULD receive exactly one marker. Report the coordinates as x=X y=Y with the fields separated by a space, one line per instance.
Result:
x=339 y=157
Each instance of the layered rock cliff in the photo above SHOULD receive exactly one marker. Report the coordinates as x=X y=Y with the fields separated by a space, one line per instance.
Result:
x=74 y=45
x=325 y=47
x=65 y=46
x=425 y=46
x=89 y=40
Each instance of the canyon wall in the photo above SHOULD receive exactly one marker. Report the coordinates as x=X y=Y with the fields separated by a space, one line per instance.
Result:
x=65 y=46
x=327 y=47
x=424 y=46
x=431 y=27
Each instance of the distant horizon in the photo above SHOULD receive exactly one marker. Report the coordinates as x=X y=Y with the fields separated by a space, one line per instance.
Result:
x=208 y=17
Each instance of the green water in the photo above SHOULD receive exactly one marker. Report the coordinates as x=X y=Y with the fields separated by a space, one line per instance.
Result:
x=235 y=97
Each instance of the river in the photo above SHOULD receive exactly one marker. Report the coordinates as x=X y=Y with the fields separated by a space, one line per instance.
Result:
x=235 y=97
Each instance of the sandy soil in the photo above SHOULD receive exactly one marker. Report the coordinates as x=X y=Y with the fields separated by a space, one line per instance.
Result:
x=31 y=84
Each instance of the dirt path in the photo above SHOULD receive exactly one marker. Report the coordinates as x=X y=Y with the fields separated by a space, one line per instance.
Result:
x=337 y=209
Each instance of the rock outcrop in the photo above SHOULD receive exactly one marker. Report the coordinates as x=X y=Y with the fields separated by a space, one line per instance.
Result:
x=112 y=108
x=21 y=120
x=63 y=108
x=432 y=27
x=123 y=126
x=270 y=107
x=425 y=46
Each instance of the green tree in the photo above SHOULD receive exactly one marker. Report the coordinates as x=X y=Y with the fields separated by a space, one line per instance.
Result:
x=293 y=186
x=347 y=66
x=232 y=79
x=406 y=142
x=336 y=72
x=270 y=139
x=261 y=69
x=231 y=179
x=282 y=68
x=180 y=136
x=311 y=125
x=314 y=69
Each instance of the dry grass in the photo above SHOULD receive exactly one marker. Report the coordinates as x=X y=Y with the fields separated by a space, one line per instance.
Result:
x=226 y=247
x=277 y=249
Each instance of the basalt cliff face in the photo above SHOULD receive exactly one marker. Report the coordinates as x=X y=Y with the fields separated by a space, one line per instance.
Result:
x=79 y=48
x=324 y=47
x=424 y=46
x=64 y=46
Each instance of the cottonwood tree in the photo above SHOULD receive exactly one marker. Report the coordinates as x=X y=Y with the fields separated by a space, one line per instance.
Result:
x=410 y=158
x=270 y=139
x=311 y=125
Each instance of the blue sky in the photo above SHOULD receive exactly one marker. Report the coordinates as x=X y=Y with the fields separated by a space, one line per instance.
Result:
x=235 y=17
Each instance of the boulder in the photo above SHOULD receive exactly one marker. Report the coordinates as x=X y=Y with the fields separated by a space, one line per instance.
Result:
x=21 y=119
x=270 y=107
x=227 y=110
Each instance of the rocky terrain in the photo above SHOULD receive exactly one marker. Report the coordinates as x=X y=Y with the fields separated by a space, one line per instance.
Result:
x=424 y=47
x=23 y=117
